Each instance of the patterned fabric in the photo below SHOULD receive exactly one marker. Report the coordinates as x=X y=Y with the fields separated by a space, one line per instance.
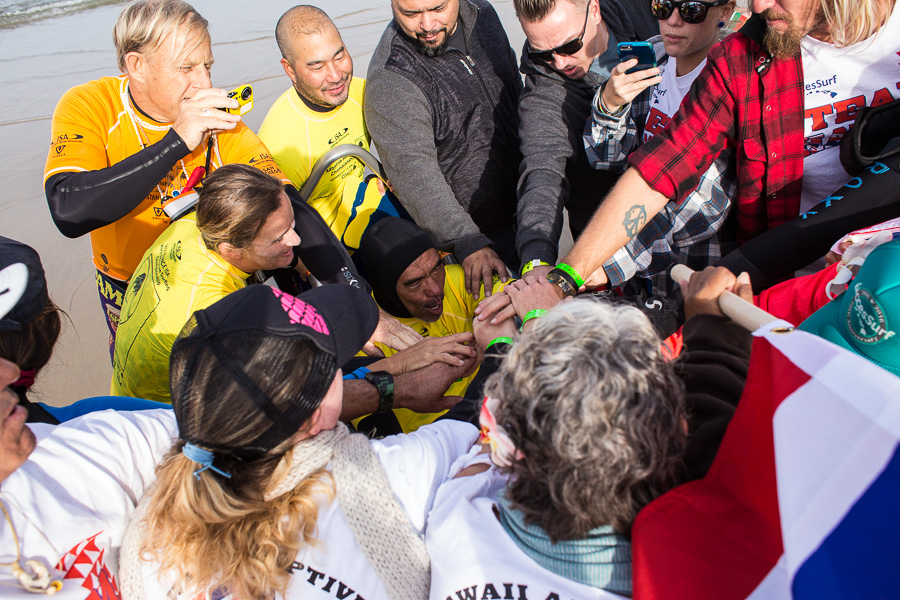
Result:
x=748 y=101
x=681 y=233
x=685 y=233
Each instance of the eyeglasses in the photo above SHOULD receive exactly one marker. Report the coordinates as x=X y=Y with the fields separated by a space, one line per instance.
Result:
x=691 y=11
x=567 y=49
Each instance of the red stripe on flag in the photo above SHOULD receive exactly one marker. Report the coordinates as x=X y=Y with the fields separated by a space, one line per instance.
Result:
x=720 y=536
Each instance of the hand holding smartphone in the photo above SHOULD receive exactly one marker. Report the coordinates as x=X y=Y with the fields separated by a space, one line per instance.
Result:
x=642 y=51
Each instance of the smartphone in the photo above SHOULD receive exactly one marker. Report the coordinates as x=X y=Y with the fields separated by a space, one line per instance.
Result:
x=244 y=95
x=643 y=51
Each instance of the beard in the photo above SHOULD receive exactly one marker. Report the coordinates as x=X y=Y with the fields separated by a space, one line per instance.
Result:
x=433 y=49
x=316 y=96
x=787 y=44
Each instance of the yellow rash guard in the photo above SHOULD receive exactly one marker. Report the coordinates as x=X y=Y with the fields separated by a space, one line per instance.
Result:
x=176 y=276
x=95 y=125
x=297 y=136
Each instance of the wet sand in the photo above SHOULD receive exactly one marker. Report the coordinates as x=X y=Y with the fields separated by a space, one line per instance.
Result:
x=41 y=60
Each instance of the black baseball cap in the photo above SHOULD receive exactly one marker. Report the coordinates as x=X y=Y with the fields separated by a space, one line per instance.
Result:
x=248 y=371
x=33 y=297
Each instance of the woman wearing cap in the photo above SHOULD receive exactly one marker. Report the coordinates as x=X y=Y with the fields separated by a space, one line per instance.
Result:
x=29 y=331
x=266 y=492
x=28 y=336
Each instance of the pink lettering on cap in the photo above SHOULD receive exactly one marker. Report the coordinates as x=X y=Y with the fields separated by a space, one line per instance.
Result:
x=300 y=312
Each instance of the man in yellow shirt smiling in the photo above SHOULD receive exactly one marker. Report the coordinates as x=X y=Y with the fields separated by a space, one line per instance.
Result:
x=321 y=110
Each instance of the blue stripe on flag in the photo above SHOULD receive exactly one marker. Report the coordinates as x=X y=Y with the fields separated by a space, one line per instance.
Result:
x=861 y=557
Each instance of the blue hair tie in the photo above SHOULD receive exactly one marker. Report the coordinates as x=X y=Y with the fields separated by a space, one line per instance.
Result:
x=204 y=457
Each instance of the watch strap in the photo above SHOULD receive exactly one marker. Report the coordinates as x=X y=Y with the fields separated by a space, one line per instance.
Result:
x=384 y=383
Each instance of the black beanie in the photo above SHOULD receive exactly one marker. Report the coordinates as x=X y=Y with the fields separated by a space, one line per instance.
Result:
x=387 y=248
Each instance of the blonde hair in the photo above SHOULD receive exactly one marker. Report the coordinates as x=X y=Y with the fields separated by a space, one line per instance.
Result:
x=145 y=24
x=853 y=21
x=214 y=531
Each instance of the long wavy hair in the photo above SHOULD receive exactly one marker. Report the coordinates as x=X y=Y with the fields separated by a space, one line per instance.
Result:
x=218 y=532
x=853 y=21
x=598 y=415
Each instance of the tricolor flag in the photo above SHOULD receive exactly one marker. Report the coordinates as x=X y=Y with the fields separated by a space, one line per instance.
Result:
x=803 y=499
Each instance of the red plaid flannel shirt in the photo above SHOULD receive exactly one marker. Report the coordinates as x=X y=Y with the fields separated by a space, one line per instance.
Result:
x=746 y=100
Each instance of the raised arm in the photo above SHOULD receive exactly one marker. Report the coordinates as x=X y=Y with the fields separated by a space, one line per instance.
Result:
x=400 y=121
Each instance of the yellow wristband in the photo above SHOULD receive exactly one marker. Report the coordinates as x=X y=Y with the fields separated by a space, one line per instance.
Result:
x=532 y=264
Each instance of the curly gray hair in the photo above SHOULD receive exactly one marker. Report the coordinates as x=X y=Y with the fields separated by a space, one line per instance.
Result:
x=598 y=414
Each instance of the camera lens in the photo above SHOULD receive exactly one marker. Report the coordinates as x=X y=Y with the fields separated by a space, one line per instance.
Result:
x=246 y=93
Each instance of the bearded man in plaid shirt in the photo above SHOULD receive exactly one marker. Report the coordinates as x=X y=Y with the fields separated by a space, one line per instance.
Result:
x=779 y=95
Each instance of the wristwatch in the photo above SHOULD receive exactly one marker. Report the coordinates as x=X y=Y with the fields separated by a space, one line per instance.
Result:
x=384 y=383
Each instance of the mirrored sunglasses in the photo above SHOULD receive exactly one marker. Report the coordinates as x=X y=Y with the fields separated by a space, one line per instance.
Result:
x=691 y=11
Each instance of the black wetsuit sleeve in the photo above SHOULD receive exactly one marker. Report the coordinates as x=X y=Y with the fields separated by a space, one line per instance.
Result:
x=868 y=199
x=322 y=253
x=82 y=201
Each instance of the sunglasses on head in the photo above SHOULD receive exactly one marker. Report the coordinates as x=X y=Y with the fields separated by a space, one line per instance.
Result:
x=567 y=49
x=691 y=11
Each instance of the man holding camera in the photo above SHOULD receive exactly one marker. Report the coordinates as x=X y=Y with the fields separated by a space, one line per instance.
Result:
x=569 y=53
x=122 y=147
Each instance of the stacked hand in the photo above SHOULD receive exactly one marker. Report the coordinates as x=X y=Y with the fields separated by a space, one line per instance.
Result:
x=479 y=268
x=391 y=333
x=455 y=350
x=518 y=298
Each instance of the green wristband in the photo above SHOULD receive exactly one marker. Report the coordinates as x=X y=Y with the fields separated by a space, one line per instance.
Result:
x=499 y=340
x=533 y=314
x=578 y=279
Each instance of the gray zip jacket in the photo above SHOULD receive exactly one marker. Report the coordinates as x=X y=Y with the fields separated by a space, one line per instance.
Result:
x=555 y=171
x=446 y=129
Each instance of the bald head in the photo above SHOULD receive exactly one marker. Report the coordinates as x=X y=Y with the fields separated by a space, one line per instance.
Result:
x=297 y=23
x=314 y=56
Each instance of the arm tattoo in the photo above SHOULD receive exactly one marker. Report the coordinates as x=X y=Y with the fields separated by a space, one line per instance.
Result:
x=635 y=219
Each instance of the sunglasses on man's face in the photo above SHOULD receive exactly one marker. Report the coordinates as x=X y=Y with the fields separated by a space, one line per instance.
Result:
x=567 y=49
x=691 y=11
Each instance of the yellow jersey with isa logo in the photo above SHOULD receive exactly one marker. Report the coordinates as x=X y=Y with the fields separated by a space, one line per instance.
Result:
x=298 y=135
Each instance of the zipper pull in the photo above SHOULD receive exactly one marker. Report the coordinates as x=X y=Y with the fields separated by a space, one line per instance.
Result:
x=466 y=65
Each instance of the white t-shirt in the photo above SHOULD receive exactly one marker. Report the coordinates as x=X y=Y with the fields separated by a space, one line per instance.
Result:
x=79 y=488
x=840 y=81
x=472 y=557
x=415 y=464
x=667 y=96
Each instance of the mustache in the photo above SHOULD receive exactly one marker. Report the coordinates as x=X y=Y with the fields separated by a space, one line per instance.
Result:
x=771 y=15
x=424 y=34
x=338 y=84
